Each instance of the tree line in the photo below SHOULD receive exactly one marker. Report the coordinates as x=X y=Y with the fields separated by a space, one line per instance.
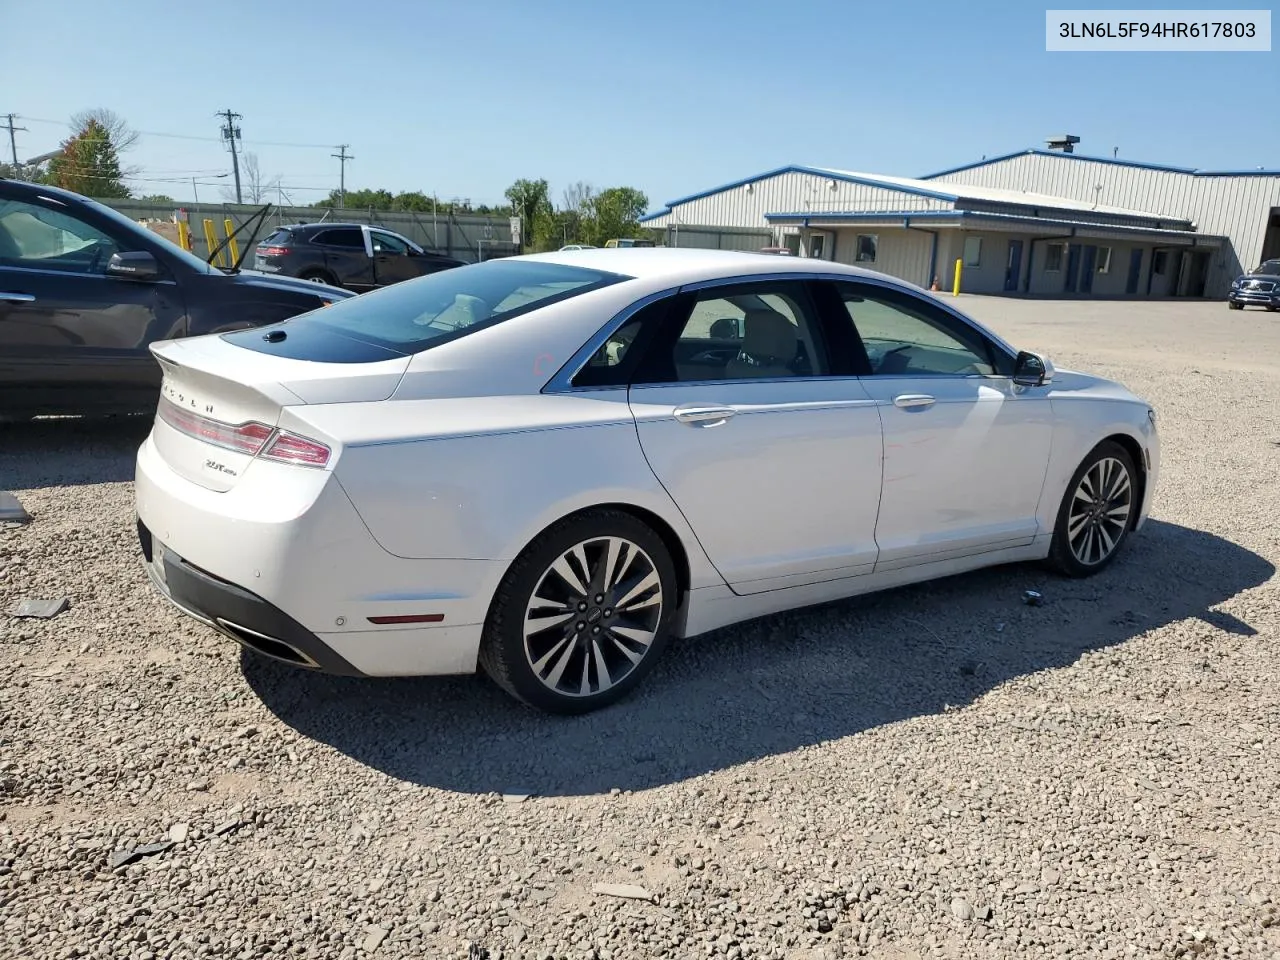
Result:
x=88 y=162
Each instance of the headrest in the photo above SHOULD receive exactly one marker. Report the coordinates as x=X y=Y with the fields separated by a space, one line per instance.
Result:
x=768 y=335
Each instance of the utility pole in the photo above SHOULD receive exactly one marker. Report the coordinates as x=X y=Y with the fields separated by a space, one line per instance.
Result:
x=231 y=133
x=342 y=157
x=13 y=143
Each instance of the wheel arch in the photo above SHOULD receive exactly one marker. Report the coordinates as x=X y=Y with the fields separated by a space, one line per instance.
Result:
x=654 y=521
x=1138 y=454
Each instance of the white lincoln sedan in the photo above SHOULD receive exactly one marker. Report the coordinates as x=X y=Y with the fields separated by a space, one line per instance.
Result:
x=548 y=466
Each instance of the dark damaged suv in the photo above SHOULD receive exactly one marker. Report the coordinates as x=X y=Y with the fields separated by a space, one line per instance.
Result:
x=1260 y=287
x=351 y=255
x=84 y=291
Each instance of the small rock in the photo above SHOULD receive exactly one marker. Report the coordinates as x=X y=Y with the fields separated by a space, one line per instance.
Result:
x=41 y=609
x=1033 y=598
x=515 y=797
x=984 y=913
x=628 y=891
x=178 y=832
x=374 y=935
x=198 y=786
x=961 y=909
x=1049 y=877
x=226 y=827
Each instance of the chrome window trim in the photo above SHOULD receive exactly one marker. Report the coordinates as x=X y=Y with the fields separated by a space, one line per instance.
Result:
x=562 y=381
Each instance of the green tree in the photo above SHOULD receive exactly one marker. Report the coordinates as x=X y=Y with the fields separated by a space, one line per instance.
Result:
x=615 y=213
x=89 y=164
x=531 y=202
x=157 y=198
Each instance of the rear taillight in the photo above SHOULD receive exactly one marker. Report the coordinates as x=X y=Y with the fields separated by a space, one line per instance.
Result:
x=291 y=448
x=273 y=251
x=252 y=438
x=247 y=438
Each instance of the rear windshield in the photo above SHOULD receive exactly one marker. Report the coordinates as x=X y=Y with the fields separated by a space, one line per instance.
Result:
x=411 y=316
x=280 y=235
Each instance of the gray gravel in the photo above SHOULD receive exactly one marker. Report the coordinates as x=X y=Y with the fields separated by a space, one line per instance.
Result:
x=943 y=771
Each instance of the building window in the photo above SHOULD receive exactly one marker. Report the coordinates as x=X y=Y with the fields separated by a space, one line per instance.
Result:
x=1104 y=259
x=817 y=245
x=1053 y=258
x=972 y=251
x=866 y=248
x=1159 y=262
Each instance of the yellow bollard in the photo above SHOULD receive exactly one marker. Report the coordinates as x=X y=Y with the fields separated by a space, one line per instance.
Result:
x=229 y=226
x=955 y=290
x=211 y=239
x=184 y=236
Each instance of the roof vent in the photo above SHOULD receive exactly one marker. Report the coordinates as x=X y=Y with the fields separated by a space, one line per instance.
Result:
x=1066 y=143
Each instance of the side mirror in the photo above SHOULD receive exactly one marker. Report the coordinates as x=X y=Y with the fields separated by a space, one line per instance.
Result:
x=133 y=265
x=1032 y=369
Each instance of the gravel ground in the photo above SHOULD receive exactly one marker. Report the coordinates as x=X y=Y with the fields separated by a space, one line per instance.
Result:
x=941 y=771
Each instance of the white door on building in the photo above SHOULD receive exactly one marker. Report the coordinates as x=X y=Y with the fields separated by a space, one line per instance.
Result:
x=965 y=453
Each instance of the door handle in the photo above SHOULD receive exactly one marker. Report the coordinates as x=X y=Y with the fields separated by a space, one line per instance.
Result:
x=913 y=401
x=696 y=413
x=17 y=297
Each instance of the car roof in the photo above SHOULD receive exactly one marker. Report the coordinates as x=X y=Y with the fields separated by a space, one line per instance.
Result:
x=44 y=188
x=687 y=264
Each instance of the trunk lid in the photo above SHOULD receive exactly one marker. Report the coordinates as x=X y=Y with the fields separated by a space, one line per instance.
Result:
x=220 y=403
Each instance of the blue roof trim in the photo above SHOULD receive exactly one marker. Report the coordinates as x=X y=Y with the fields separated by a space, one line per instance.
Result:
x=1114 y=161
x=812 y=171
x=806 y=217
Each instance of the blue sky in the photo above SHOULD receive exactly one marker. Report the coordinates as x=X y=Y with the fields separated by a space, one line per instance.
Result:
x=670 y=96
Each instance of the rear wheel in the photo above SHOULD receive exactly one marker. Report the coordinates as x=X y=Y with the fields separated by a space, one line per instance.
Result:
x=582 y=614
x=318 y=276
x=1096 y=513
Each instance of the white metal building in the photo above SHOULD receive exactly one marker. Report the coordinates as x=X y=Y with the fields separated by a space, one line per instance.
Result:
x=1036 y=222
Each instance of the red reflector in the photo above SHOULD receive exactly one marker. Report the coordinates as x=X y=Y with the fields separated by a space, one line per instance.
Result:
x=409 y=618
x=273 y=251
x=291 y=448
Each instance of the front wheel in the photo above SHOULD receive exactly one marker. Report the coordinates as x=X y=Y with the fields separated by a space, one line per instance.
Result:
x=1096 y=513
x=1235 y=306
x=582 y=614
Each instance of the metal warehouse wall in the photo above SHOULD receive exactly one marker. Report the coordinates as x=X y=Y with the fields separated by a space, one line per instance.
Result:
x=1236 y=207
x=464 y=237
x=747 y=204
x=718 y=239
x=899 y=253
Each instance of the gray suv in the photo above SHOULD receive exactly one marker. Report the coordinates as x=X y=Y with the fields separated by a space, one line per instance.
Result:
x=352 y=255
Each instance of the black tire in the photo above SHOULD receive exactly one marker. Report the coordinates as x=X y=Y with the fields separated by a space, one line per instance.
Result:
x=1075 y=560
x=1235 y=306
x=318 y=276
x=508 y=657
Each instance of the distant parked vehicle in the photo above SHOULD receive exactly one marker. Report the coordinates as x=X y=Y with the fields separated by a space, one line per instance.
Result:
x=352 y=255
x=629 y=242
x=84 y=291
x=1260 y=287
x=577 y=246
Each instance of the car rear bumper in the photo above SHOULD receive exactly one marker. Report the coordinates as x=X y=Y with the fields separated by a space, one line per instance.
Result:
x=235 y=612
x=283 y=565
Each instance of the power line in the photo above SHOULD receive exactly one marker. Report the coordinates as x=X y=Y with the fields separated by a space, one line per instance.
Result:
x=186 y=136
x=342 y=157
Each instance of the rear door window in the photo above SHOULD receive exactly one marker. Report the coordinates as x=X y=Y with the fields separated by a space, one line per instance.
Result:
x=343 y=237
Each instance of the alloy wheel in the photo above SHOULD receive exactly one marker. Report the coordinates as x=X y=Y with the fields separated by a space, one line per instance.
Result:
x=1099 y=513
x=593 y=616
